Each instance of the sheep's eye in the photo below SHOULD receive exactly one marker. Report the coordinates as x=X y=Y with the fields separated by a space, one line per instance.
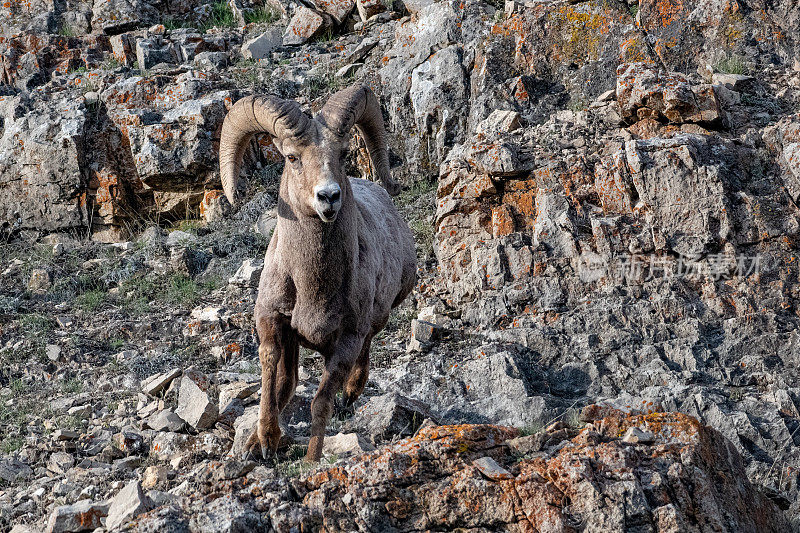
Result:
x=344 y=155
x=291 y=158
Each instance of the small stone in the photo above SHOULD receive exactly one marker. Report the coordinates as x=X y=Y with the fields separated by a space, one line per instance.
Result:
x=153 y=476
x=129 y=503
x=39 y=281
x=424 y=331
x=60 y=462
x=53 y=352
x=12 y=469
x=635 y=435
x=607 y=96
x=80 y=411
x=64 y=435
x=194 y=406
x=344 y=444
x=82 y=516
x=248 y=274
x=158 y=382
x=64 y=321
x=208 y=314
x=129 y=442
x=491 y=469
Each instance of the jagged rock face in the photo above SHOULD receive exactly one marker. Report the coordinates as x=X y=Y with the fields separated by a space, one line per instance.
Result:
x=688 y=478
x=42 y=154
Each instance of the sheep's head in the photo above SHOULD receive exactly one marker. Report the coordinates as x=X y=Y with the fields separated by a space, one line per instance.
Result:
x=314 y=148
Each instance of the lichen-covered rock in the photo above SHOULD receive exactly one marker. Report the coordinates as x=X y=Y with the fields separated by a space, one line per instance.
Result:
x=645 y=92
x=42 y=153
x=305 y=24
x=432 y=480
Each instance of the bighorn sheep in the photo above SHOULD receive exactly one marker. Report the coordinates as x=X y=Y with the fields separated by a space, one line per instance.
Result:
x=340 y=258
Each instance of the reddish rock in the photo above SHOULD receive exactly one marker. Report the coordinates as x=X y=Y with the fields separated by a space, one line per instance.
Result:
x=305 y=24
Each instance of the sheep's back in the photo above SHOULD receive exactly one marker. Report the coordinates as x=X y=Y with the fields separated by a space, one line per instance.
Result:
x=388 y=253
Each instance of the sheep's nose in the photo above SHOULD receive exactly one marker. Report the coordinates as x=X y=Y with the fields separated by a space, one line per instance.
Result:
x=329 y=193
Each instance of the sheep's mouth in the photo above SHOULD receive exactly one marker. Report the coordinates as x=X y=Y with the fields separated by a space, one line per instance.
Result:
x=328 y=215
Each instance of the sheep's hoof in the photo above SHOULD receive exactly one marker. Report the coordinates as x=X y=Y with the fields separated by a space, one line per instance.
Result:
x=261 y=444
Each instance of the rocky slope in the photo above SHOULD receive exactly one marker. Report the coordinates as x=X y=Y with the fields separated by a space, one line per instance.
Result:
x=604 y=197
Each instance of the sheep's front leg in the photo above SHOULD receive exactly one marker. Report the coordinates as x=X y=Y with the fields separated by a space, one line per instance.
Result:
x=337 y=368
x=276 y=338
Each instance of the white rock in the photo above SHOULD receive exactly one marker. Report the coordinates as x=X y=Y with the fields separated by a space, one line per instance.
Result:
x=261 y=46
x=344 y=444
x=194 y=406
x=53 y=351
x=129 y=503
x=248 y=274
x=158 y=382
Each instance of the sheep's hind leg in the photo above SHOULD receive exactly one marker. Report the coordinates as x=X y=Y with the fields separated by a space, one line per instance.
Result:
x=275 y=335
x=357 y=379
x=337 y=368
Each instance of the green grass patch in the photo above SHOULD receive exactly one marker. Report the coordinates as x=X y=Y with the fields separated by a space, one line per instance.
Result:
x=72 y=386
x=11 y=444
x=221 y=16
x=731 y=65
x=262 y=14
x=91 y=300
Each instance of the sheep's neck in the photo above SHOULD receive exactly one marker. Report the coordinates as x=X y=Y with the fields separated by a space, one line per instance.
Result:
x=320 y=255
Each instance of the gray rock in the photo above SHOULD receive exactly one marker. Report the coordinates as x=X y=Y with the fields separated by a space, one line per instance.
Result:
x=248 y=274
x=60 y=462
x=489 y=468
x=194 y=405
x=226 y=514
x=262 y=46
x=129 y=503
x=180 y=238
x=152 y=51
x=165 y=420
x=13 y=469
x=158 y=382
x=389 y=415
x=53 y=352
x=84 y=515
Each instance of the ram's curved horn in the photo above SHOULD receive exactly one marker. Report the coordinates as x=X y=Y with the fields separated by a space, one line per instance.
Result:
x=251 y=115
x=357 y=106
